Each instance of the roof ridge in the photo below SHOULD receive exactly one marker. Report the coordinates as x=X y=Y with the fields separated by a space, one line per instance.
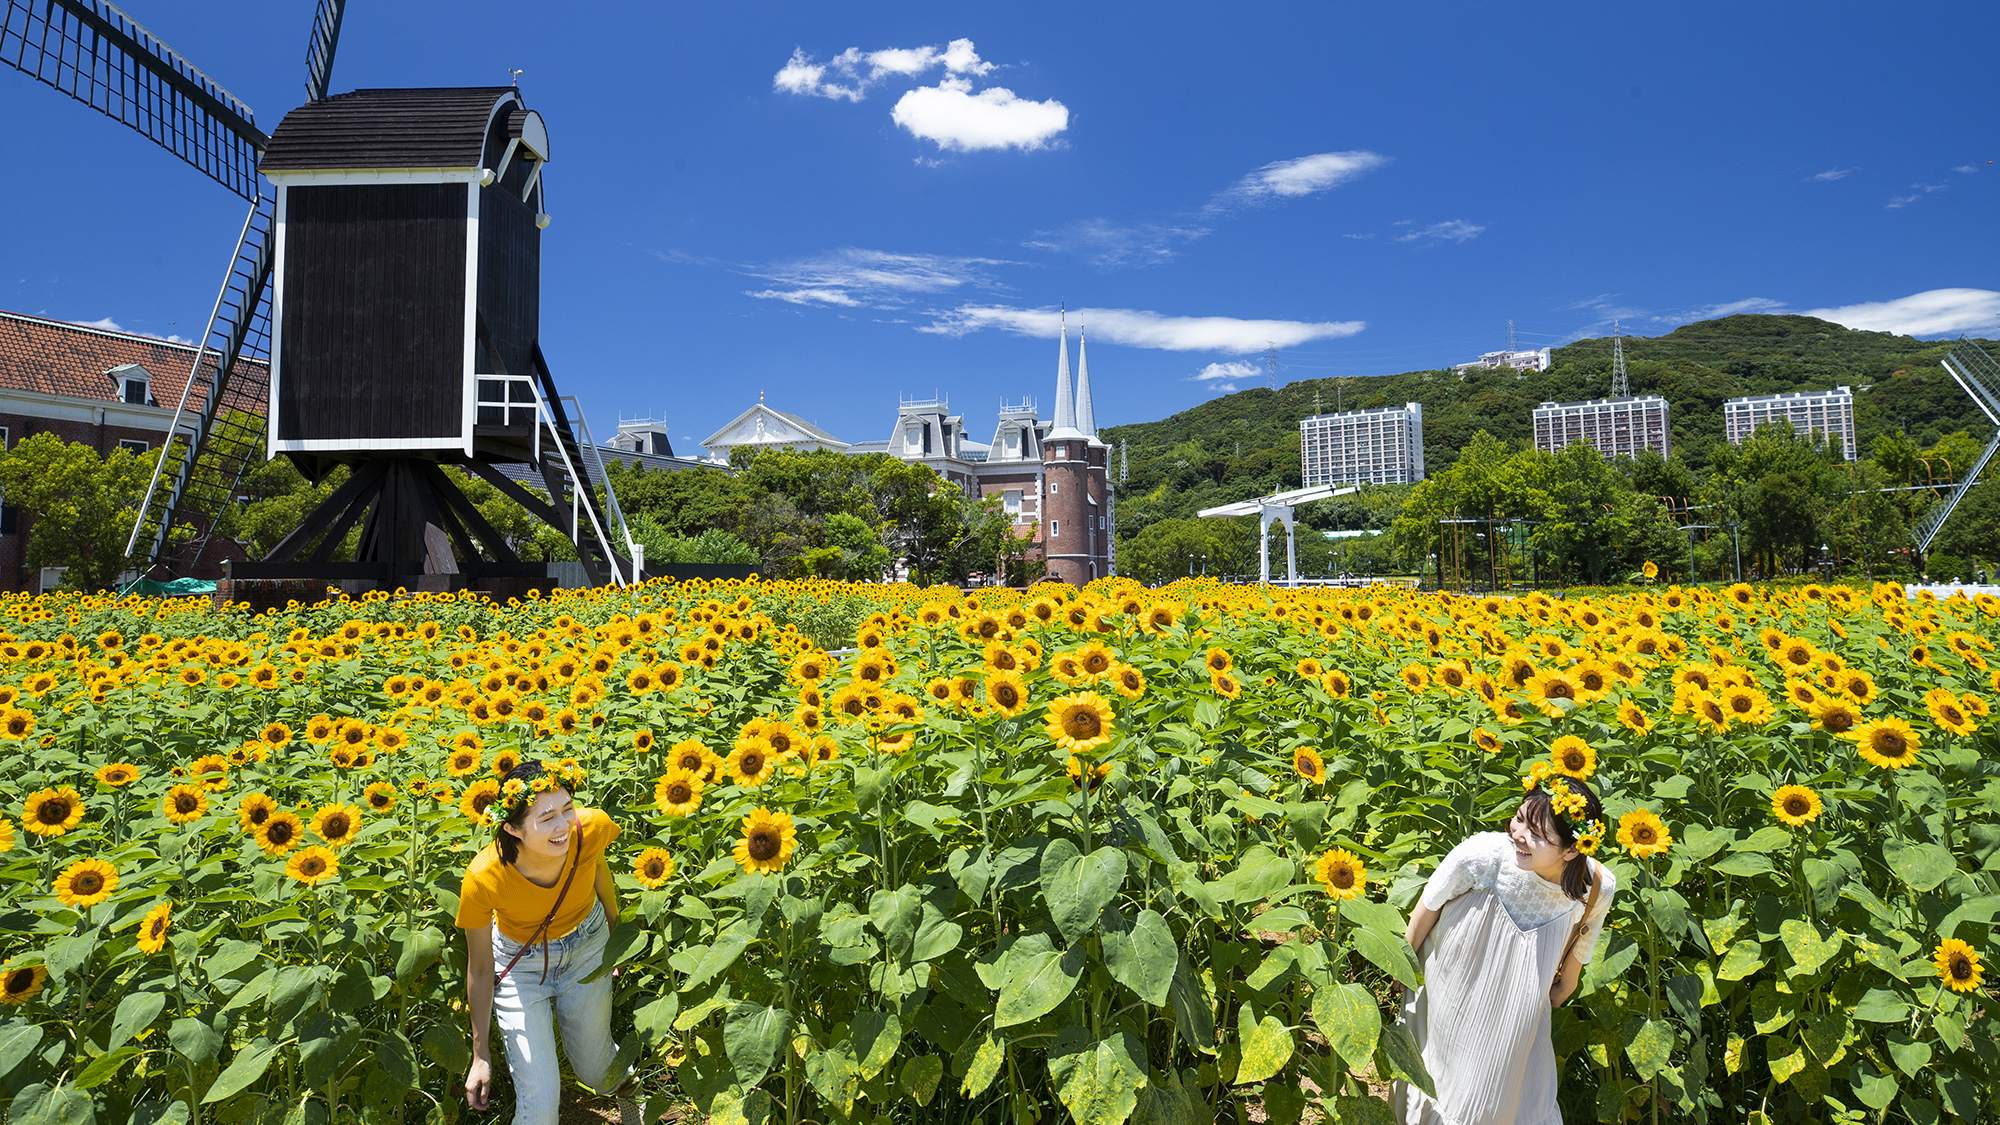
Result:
x=118 y=334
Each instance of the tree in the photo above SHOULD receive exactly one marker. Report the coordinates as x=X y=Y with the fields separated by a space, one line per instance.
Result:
x=82 y=506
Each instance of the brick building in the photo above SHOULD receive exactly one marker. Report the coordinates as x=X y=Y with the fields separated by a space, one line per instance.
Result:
x=107 y=389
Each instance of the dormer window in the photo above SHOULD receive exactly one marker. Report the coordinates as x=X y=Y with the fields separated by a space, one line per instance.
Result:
x=134 y=385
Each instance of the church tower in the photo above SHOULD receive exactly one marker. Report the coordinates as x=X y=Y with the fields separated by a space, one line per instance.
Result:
x=1076 y=493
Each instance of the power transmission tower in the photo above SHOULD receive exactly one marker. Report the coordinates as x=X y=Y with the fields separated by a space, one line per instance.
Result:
x=1124 y=461
x=1620 y=386
x=1271 y=363
x=1510 y=336
x=1315 y=400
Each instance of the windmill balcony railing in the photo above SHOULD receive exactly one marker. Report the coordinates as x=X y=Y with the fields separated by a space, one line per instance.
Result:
x=506 y=400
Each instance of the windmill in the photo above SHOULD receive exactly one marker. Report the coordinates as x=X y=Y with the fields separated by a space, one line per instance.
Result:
x=380 y=311
x=1978 y=375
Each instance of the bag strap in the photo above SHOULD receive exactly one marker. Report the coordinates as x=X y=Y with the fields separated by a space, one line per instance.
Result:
x=1590 y=904
x=542 y=930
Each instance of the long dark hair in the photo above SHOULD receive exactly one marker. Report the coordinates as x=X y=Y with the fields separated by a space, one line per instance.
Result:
x=1543 y=819
x=509 y=845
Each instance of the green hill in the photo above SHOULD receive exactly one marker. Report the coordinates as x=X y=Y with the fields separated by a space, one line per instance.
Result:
x=1247 y=444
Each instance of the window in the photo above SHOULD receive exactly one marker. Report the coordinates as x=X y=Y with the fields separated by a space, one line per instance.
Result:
x=1010 y=501
x=1013 y=441
x=1055 y=528
x=8 y=519
x=4 y=435
x=135 y=390
x=1053 y=482
x=134 y=445
x=913 y=437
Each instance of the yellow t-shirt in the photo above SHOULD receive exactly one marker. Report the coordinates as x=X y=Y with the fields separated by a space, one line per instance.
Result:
x=496 y=893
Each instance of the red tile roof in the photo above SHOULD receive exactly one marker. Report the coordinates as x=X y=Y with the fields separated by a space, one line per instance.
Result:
x=58 y=358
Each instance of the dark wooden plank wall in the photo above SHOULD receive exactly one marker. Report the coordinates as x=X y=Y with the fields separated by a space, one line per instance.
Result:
x=510 y=271
x=373 y=338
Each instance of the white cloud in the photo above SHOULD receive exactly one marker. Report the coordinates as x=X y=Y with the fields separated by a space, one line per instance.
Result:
x=854 y=70
x=104 y=322
x=173 y=338
x=1967 y=169
x=1450 y=230
x=954 y=118
x=1300 y=176
x=1727 y=308
x=1917 y=191
x=1234 y=369
x=1141 y=328
x=1830 y=175
x=1934 y=312
x=1112 y=245
x=805 y=296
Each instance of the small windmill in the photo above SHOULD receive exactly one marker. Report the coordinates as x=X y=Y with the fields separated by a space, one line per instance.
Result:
x=1978 y=375
x=380 y=310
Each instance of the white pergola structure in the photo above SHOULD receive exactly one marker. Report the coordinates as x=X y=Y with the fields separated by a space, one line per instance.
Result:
x=1277 y=508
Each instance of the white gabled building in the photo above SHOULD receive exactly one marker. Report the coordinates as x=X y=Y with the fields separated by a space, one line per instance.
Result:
x=762 y=427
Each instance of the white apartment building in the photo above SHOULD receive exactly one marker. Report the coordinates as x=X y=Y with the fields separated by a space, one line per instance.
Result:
x=1617 y=427
x=1534 y=359
x=1380 y=446
x=1825 y=414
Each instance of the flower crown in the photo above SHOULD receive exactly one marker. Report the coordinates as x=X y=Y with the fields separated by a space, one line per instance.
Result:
x=515 y=791
x=1568 y=804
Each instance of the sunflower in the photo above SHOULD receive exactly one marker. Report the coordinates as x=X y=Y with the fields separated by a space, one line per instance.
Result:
x=653 y=867
x=1080 y=722
x=1309 y=669
x=337 y=824
x=86 y=883
x=472 y=803
x=1219 y=660
x=691 y=755
x=1127 y=681
x=1835 y=716
x=1573 y=757
x=52 y=812
x=1342 y=874
x=277 y=735
x=280 y=832
x=1643 y=834
x=314 y=865
x=824 y=750
x=1650 y=569
x=768 y=840
x=1633 y=717
x=380 y=797
x=117 y=775
x=1889 y=743
x=678 y=793
x=254 y=809
x=1006 y=692
x=1796 y=805
x=1486 y=740
x=1416 y=678
x=6 y=835
x=1336 y=683
x=1084 y=773
x=1553 y=691
x=211 y=770
x=1307 y=762
x=153 y=927
x=1225 y=685
x=751 y=764
x=1958 y=965
x=18 y=986
x=185 y=803
x=1948 y=711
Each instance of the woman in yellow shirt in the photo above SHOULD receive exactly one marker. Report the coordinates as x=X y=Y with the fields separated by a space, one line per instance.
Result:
x=537 y=906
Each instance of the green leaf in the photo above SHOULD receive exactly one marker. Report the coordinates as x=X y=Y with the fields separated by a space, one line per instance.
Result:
x=195 y=1040
x=1036 y=983
x=421 y=949
x=1743 y=865
x=243 y=1070
x=1347 y=1015
x=1372 y=915
x=1390 y=954
x=293 y=987
x=229 y=957
x=1261 y=874
x=1354 y=1109
x=1266 y=1044
x=985 y=1067
x=1744 y=957
x=1194 y=1014
x=1810 y=952
x=655 y=1020
x=1881 y=1005
x=894 y=914
x=1651 y=1048
x=1077 y=888
x=51 y=1105
x=936 y=936
x=920 y=1078
x=16 y=1042
x=626 y=942
x=1404 y=1060
x=832 y=1074
x=1098 y=1081
x=1875 y=1089
x=135 y=1013
x=1769 y=838
x=751 y=1036
x=876 y=1035
x=1921 y=866
x=104 y=1067
x=721 y=954
x=1143 y=958
x=1911 y=1056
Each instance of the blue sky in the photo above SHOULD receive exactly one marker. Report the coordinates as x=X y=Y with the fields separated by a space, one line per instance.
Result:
x=837 y=205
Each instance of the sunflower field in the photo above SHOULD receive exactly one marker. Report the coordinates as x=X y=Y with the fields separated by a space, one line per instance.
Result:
x=894 y=853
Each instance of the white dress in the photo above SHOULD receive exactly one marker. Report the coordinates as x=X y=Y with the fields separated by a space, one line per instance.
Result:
x=1481 y=1017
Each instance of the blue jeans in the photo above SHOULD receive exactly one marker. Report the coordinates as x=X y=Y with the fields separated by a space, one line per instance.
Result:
x=529 y=1007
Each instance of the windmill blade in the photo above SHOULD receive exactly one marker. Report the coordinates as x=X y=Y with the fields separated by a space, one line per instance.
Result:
x=95 y=53
x=319 y=52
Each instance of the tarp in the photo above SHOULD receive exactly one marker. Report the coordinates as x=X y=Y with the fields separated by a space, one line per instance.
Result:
x=177 y=588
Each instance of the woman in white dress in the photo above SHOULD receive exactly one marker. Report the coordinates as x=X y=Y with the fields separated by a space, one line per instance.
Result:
x=1503 y=930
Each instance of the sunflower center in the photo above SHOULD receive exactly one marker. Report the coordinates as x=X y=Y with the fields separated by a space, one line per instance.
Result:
x=1961 y=967
x=19 y=980
x=1341 y=876
x=55 y=810
x=1890 y=744
x=763 y=845
x=87 y=883
x=185 y=803
x=1082 y=723
x=336 y=825
x=654 y=868
x=678 y=793
x=312 y=865
x=281 y=832
x=1797 y=805
x=753 y=764
x=1644 y=834
x=1560 y=690
x=1005 y=695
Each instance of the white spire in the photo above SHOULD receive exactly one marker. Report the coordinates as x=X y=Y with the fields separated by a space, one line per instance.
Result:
x=1065 y=423
x=1086 y=410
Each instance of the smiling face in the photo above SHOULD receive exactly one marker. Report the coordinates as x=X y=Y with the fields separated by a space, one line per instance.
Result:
x=1537 y=847
x=546 y=826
